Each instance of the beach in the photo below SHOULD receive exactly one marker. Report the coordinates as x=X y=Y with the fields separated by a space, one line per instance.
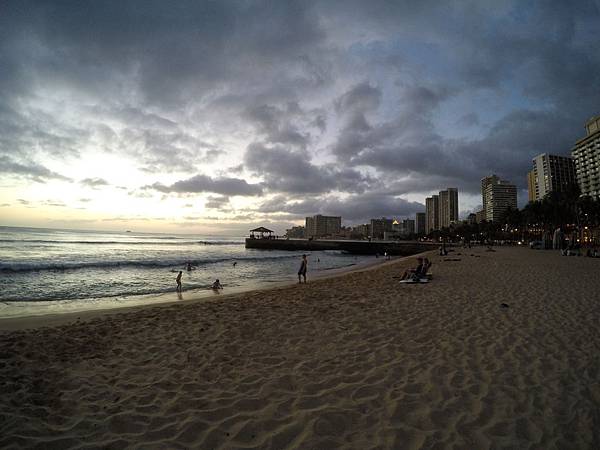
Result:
x=500 y=350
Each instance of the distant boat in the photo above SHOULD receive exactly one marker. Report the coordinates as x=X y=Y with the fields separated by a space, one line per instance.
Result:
x=128 y=231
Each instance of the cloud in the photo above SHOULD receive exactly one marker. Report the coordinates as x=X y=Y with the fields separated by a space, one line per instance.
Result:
x=30 y=170
x=353 y=209
x=55 y=203
x=291 y=171
x=330 y=100
x=218 y=202
x=203 y=183
x=468 y=120
x=279 y=125
x=94 y=182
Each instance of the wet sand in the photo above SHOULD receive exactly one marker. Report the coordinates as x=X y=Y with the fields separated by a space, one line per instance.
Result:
x=355 y=361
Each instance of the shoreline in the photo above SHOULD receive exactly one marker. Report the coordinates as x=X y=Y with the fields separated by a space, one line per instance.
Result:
x=57 y=318
x=498 y=350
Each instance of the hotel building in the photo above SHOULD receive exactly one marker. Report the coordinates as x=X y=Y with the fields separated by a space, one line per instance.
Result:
x=551 y=173
x=586 y=154
x=448 y=207
x=381 y=226
x=432 y=213
x=498 y=196
x=441 y=210
x=319 y=226
x=420 y=223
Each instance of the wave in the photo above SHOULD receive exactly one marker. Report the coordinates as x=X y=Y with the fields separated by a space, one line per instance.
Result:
x=175 y=264
x=90 y=296
x=168 y=242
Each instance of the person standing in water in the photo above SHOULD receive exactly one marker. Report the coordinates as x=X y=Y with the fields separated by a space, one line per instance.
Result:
x=303 y=268
x=178 y=279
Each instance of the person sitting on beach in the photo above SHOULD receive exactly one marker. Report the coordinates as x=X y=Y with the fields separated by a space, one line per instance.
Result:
x=412 y=273
x=178 y=280
x=217 y=285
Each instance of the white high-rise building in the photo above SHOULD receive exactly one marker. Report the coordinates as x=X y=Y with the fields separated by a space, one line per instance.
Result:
x=498 y=196
x=586 y=154
x=551 y=173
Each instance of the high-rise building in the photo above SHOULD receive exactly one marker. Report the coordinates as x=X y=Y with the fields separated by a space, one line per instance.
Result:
x=380 y=226
x=420 y=223
x=408 y=226
x=448 y=207
x=586 y=154
x=444 y=206
x=319 y=226
x=551 y=173
x=432 y=213
x=361 y=231
x=295 y=232
x=531 y=186
x=498 y=196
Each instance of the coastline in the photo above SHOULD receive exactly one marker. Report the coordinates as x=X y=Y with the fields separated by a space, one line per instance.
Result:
x=43 y=318
x=499 y=350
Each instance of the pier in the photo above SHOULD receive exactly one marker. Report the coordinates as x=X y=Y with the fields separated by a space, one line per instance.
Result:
x=399 y=248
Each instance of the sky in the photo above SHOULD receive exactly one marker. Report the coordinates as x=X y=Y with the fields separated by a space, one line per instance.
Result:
x=216 y=117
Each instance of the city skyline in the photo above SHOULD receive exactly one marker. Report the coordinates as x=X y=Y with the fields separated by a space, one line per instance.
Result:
x=213 y=117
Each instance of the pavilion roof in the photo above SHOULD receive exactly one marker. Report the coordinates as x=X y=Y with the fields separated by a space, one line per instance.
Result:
x=262 y=230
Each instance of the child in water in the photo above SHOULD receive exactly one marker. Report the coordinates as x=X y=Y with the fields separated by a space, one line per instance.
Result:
x=217 y=285
x=178 y=279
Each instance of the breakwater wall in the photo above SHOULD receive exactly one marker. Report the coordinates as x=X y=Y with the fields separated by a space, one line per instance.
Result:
x=401 y=248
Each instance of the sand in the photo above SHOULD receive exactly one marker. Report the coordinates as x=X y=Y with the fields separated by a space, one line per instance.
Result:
x=356 y=361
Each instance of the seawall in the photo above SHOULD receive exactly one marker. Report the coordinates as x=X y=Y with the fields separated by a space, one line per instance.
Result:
x=401 y=248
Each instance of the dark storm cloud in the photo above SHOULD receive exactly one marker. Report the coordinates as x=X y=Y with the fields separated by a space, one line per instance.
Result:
x=540 y=53
x=407 y=143
x=375 y=86
x=468 y=120
x=282 y=125
x=352 y=107
x=30 y=170
x=353 y=209
x=202 y=183
x=173 y=51
x=291 y=171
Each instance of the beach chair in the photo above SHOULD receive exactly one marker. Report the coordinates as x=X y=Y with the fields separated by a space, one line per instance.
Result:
x=414 y=280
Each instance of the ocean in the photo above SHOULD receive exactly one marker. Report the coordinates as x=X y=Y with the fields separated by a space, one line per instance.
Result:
x=51 y=270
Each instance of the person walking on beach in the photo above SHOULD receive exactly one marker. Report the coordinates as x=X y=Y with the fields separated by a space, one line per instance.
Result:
x=303 y=268
x=178 y=279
